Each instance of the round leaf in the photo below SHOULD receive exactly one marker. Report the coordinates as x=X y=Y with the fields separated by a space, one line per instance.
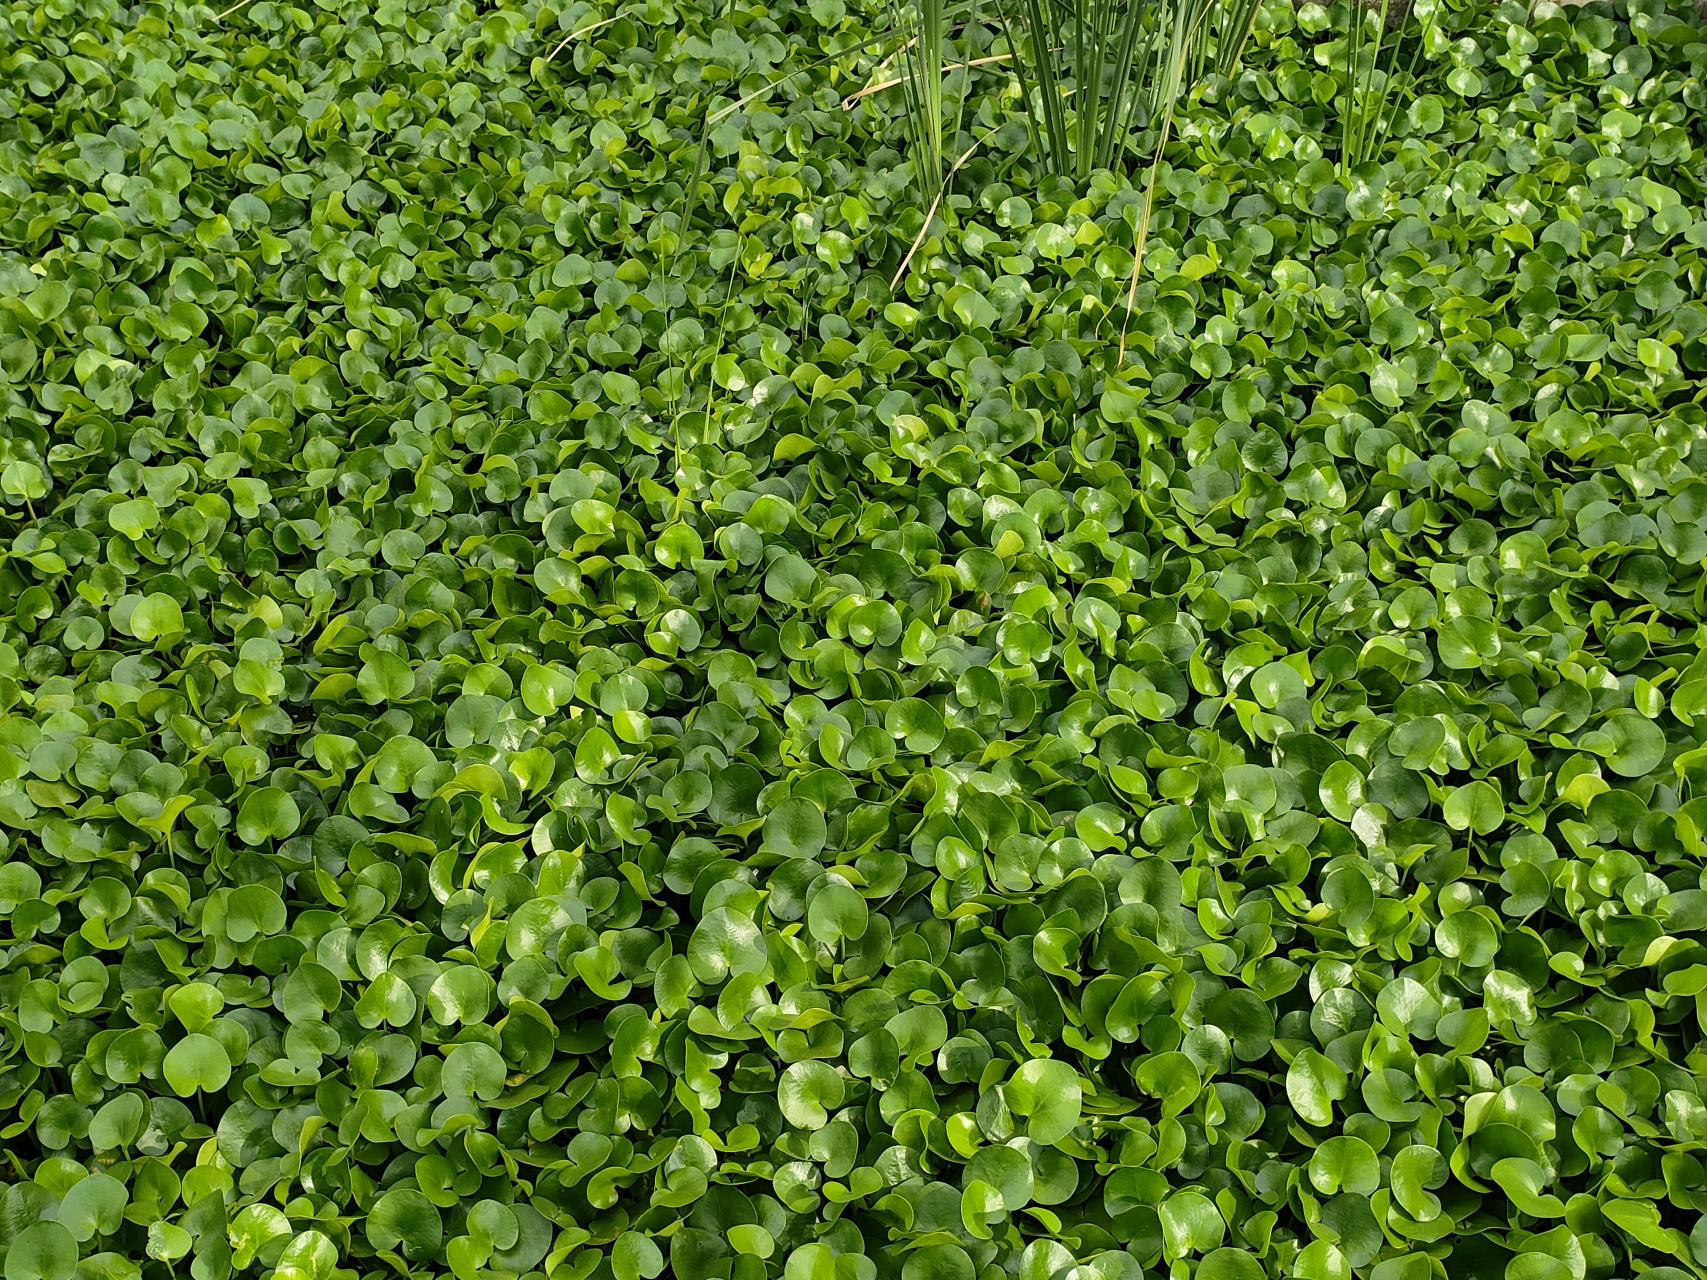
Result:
x=196 y=1064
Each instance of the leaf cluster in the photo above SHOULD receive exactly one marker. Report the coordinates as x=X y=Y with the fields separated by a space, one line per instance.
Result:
x=558 y=728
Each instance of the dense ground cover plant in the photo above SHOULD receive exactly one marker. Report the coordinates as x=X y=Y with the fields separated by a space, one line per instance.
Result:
x=540 y=741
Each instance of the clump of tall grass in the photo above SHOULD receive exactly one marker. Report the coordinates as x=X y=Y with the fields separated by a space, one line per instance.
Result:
x=1370 y=103
x=924 y=29
x=1097 y=72
x=1101 y=80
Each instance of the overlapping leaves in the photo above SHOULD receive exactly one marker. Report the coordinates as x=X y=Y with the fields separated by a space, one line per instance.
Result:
x=552 y=739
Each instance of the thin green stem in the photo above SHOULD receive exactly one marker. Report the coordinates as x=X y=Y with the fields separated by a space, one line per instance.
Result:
x=1045 y=85
x=562 y=44
x=930 y=213
x=1187 y=14
x=1373 y=112
x=1353 y=39
x=691 y=197
x=1411 y=67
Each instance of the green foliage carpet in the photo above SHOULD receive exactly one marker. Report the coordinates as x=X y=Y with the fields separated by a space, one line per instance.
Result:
x=555 y=730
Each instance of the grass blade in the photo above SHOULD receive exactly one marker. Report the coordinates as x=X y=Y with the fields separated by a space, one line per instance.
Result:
x=854 y=97
x=1238 y=20
x=1129 y=64
x=1114 y=128
x=1181 y=27
x=561 y=46
x=924 y=231
x=914 y=107
x=1044 y=84
x=690 y=197
x=965 y=67
x=927 y=70
x=1353 y=41
x=1087 y=76
x=1366 y=110
x=1372 y=110
x=1411 y=67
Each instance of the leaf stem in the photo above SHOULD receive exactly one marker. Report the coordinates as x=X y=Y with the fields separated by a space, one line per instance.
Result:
x=849 y=101
x=931 y=212
x=564 y=43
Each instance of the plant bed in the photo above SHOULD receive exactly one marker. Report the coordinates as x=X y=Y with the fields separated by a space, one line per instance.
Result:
x=636 y=645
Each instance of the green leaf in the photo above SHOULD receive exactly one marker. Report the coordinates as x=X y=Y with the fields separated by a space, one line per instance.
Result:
x=795 y=829
x=1313 y=1085
x=1631 y=744
x=635 y=1256
x=251 y=910
x=118 y=1123
x=197 y=1063
x=1048 y=1094
x=94 y=1207
x=975 y=312
x=403 y=1220
x=1417 y=1172
x=807 y=1092
x=267 y=814
x=1465 y=643
x=473 y=1071
x=167 y=1241
x=1345 y=1164
x=836 y=914
x=156 y=617
x=1275 y=683
x=384 y=676
x=1475 y=806
x=1524 y=1181
x=461 y=994
x=1071 y=661
x=1190 y=1224
x=1230 y=1264
x=938 y=1262
x=388 y=999
x=196 y=1004
x=42 y=1251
